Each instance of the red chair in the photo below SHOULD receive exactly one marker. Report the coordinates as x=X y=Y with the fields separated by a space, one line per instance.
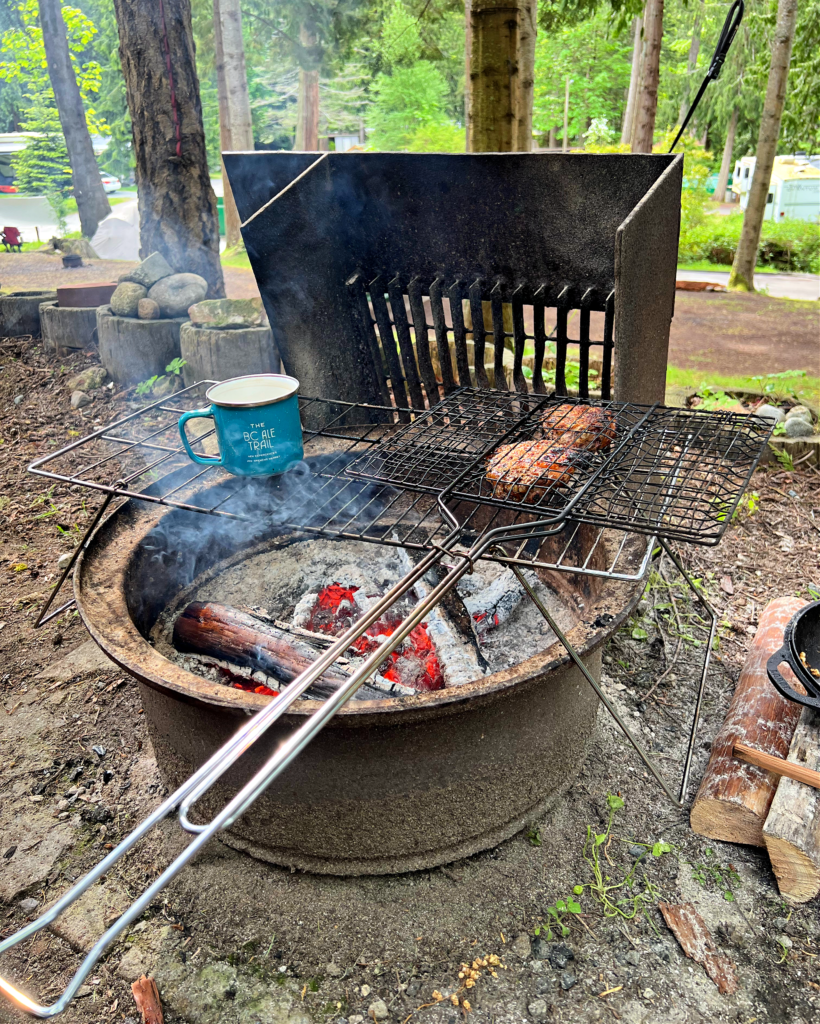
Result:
x=12 y=239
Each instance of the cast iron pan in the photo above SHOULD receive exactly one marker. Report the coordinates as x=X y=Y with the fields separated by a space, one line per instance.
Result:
x=802 y=635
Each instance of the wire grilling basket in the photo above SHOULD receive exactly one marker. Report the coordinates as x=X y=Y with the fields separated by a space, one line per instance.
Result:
x=481 y=475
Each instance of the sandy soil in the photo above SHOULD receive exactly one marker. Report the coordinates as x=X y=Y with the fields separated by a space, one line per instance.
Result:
x=235 y=941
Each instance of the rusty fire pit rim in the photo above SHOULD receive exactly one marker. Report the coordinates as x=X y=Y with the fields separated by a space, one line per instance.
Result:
x=158 y=672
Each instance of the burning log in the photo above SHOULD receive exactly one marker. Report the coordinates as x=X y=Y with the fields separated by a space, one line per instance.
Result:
x=219 y=631
x=734 y=798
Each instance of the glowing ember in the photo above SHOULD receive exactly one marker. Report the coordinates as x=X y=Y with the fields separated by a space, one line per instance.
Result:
x=414 y=663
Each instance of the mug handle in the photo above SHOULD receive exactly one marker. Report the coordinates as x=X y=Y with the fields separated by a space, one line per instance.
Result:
x=203 y=460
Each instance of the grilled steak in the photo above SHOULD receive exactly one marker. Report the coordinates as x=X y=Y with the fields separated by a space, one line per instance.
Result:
x=529 y=469
x=578 y=426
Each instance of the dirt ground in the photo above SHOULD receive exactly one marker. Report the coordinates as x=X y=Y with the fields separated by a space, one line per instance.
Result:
x=236 y=941
x=29 y=270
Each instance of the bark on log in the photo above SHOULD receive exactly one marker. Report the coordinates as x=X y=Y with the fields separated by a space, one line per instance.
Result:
x=792 y=829
x=177 y=204
x=66 y=328
x=219 y=631
x=219 y=354
x=146 y=996
x=691 y=932
x=734 y=798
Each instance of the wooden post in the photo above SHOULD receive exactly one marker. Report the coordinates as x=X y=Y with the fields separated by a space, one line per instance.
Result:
x=502 y=56
x=792 y=829
x=734 y=798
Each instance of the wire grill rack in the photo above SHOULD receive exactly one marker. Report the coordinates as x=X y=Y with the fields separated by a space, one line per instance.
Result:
x=681 y=476
x=141 y=456
x=555 y=449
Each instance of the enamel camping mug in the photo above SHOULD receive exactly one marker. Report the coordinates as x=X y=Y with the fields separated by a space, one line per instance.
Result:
x=257 y=424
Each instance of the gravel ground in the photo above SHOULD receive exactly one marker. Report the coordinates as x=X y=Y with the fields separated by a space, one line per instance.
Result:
x=235 y=941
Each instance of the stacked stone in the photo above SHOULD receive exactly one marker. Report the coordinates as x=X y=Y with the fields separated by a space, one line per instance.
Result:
x=152 y=291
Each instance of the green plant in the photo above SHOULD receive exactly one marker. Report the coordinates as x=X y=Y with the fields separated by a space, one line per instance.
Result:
x=556 y=915
x=534 y=836
x=783 y=457
x=175 y=366
x=146 y=386
x=725 y=879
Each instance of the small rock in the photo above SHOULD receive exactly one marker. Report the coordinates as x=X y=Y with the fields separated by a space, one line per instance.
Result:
x=784 y=940
x=79 y=400
x=64 y=559
x=770 y=412
x=521 y=946
x=378 y=1010
x=83 y=991
x=538 y=1009
x=560 y=955
x=799 y=411
x=356 y=1018
x=568 y=979
x=333 y=970
x=99 y=751
x=540 y=949
x=365 y=991
x=660 y=950
x=798 y=427
x=226 y=314
x=90 y=379
x=18 y=399
x=147 y=309
x=175 y=294
x=96 y=814
x=633 y=957
x=126 y=298
x=637 y=851
x=152 y=269
x=61 y=806
x=648 y=993
x=29 y=905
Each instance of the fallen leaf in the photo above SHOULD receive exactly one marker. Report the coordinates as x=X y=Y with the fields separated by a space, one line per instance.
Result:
x=726 y=585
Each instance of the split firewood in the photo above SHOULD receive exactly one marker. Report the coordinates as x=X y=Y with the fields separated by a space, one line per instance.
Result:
x=689 y=929
x=219 y=631
x=734 y=798
x=792 y=829
x=146 y=996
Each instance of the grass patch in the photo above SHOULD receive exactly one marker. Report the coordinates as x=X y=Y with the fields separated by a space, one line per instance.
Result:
x=784 y=245
x=726 y=267
x=806 y=389
x=235 y=257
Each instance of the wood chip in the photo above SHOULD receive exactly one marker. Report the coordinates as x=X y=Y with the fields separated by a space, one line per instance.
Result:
x=146 y=997
x=689 y=929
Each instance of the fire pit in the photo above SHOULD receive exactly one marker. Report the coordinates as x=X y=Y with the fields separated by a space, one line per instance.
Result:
x=393 y=783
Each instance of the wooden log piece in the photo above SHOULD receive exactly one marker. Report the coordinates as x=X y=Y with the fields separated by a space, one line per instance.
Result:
x=212 y=354
x=792 y=829
x=135 y=350
x=691 y=932
x=220 y=631
x=734 y=798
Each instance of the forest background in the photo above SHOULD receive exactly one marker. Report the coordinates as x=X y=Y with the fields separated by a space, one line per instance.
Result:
x=392 y=72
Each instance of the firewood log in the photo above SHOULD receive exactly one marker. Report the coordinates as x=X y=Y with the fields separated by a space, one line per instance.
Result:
x=734 y=798
x=219 y=631
x=146 y=997
x=792 y=829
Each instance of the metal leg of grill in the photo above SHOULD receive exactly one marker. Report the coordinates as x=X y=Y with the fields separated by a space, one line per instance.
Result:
x=43 y=618
x=679 y=800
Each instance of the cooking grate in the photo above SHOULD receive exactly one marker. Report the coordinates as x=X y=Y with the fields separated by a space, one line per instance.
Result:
x=548 y=452
x=681 y=476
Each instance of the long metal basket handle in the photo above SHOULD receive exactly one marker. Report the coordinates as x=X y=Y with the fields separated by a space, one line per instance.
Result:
x=224 y=758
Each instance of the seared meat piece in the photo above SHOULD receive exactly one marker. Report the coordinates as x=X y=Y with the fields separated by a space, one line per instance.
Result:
x=529 y=469
x=578 y=426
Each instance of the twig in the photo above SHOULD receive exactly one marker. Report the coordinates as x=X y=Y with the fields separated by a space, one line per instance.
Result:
x=671 y=664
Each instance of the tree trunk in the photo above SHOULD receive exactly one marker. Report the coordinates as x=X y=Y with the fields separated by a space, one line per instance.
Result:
x=742 y=275
x=178 y=215
x=502 y=62
x=232 y=233
x=564 y=139
x=726 y=162
x=307 y=109
x=647 y=104
x=92 y=202
x=691 y=64
x=553 y=142
x=239 y=134
x=468 y=85
x=634 y=78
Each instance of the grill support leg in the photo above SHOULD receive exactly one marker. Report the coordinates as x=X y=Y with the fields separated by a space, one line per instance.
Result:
x=679 y=800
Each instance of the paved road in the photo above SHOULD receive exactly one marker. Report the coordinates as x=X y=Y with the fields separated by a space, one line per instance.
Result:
x=779 y=286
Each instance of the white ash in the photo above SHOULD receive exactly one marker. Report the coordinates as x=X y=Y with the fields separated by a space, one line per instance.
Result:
x=285 y=581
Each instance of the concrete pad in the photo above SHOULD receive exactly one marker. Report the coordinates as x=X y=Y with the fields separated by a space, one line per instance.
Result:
x=39 y=845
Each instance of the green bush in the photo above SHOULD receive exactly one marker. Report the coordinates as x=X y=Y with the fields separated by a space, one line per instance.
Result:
x=786 y=244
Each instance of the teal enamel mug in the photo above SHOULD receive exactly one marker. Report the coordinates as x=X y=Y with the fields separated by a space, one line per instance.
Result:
x=257 y=424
